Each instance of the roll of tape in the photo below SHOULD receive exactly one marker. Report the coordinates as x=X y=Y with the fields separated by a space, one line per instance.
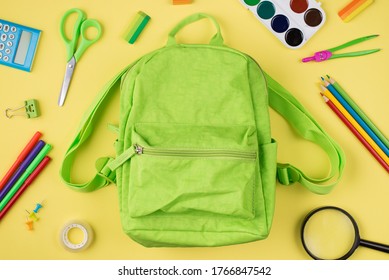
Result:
x=86 y=241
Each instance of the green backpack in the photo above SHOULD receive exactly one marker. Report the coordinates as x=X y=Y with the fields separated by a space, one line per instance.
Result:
x=196 y=164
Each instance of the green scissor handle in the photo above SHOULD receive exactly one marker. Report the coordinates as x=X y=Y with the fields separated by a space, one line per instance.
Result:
x=85 y=41
x=71 y=43
x=80 y=28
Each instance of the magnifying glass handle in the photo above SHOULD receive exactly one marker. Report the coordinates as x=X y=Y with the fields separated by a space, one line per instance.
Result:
x=374 y=245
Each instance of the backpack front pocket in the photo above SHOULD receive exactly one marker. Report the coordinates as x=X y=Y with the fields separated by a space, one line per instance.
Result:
x=197 y=180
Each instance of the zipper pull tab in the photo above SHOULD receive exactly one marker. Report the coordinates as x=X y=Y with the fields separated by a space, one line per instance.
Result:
x=126 y=155
x=138 y=149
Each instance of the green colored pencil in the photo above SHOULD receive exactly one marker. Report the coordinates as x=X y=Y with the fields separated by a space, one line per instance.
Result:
x=358 y=110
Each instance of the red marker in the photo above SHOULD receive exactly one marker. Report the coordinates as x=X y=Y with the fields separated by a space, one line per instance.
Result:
x=28 y=182
x=20 y=158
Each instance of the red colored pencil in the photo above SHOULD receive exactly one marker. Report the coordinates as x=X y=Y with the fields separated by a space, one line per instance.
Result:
x=28 y=182
x=355 y=132
x=20 y=158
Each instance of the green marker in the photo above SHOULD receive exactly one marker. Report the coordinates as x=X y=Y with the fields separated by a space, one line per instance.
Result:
x=25 y=175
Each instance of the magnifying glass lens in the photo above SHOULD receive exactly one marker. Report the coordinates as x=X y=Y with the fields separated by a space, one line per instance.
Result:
x=329 y=234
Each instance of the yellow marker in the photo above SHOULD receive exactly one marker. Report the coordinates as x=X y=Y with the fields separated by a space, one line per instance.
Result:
x=355 y=124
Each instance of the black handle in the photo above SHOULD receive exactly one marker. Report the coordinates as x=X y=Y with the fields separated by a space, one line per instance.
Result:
x=374 y=245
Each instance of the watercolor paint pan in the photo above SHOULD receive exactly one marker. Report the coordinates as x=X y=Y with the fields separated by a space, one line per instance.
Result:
x=293 y=22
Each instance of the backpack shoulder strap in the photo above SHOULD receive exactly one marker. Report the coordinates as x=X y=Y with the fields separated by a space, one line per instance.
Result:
x=299 y=118
x=104 y=176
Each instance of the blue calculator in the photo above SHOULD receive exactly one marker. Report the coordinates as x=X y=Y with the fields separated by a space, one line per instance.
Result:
x=18 y=45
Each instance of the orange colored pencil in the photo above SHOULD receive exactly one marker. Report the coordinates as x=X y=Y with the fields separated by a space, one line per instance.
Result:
x=355 y=132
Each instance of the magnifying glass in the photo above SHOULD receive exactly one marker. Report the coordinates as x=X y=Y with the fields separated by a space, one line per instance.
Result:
x=331 y=233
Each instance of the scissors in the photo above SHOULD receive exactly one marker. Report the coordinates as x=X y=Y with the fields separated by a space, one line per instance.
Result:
x=75 y=52
x=330 y=53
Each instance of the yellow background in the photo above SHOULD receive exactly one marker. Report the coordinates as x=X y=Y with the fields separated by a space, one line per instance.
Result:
x=363 y=190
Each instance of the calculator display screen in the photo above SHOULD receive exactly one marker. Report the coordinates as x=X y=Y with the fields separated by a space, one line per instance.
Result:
x=22 y=48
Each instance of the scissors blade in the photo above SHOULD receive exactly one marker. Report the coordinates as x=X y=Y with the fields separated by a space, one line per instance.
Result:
x=66 y=81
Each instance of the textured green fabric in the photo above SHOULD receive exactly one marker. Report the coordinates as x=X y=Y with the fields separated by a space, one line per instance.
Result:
x=196 y=164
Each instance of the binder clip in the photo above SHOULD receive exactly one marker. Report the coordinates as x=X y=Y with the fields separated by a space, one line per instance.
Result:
x=30 y=107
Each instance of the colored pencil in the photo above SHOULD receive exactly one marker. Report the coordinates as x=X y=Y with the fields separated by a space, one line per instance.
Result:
x=25 y=175
x=355 y=116
x=25 y=185
x=355 y=132
x=20 y=158
x=359 y=111
x=355 y=124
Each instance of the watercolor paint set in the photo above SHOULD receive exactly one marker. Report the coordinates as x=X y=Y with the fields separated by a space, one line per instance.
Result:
x=293 y=22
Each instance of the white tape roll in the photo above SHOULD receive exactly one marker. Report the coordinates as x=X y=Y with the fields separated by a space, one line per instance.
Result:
x=86 y=230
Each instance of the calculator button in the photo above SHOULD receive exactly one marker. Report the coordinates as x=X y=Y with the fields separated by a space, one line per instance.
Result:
x=1 y=26
x=11 y=36
x=1 y=46
x=6 y=28
x=1 y=55
x=7 y=51
x=9 y=44
x=13 y=29
x=6 y=58
x=3 y=37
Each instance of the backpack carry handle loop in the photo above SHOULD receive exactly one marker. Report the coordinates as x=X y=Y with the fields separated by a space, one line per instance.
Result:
x=217 y=39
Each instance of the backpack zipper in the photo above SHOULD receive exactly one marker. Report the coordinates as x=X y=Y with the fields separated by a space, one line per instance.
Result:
x=189 y=153
x=139 y=150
